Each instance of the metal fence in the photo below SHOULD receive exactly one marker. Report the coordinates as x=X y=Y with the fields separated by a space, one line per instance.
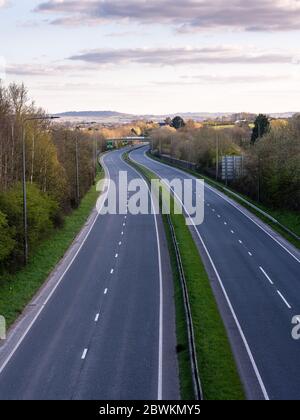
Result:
x=181 y=163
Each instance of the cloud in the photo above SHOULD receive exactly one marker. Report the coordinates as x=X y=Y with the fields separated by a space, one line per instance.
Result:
x=179 y=56
x=186 y=15
x=224 y=79
x=24 y=70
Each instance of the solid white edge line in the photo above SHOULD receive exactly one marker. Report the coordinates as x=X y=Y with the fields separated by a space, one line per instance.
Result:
x=161 y=297
x=284 y=299
x=249 y=352
x=107 y=180
x=266 y=275
x=233 y=205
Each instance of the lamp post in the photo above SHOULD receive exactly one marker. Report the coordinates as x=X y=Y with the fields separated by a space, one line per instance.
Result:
x=217 y=155
x=95 y=146
x=25 y=217
x=95 y=150
x=77 y=166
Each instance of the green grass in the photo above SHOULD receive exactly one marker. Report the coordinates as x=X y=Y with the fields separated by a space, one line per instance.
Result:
x=287 y=218
x=219 y=376
x=17 y=290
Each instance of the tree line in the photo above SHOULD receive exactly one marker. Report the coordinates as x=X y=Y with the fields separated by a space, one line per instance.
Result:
x=53 y=154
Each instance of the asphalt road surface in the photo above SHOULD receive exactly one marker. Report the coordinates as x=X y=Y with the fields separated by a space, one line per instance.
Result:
x=256 y=279
x=108 y=330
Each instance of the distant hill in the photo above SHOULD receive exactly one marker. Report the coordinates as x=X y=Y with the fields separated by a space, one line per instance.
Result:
x=119 y=117
x=89 y=114
x=112 y=116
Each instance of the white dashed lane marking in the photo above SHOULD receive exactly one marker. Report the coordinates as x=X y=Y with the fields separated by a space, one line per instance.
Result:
x=266 y=275
x=284 y=299
x=85 y=351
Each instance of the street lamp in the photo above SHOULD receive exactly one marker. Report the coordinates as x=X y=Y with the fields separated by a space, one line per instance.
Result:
x=217 y=155
x=25 y=218
x=94 y=129
x=95 y=148
x=77 y=166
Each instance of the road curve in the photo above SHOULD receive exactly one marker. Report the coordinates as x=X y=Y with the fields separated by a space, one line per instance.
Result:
x=256 y=280
x=108 y=330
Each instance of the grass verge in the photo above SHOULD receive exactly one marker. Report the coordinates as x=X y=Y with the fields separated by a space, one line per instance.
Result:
x=287 y=218
x=218 y=371
x=17 y=290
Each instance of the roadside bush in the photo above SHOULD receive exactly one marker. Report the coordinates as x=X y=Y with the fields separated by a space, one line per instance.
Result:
x=42 y=211
x=272 y=169
x=7 y=242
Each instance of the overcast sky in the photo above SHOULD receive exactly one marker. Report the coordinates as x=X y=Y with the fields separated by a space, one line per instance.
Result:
x=155 y=56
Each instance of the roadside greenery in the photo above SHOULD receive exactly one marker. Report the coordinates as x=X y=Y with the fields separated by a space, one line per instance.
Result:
x=218 y=372
x=17 y=289
x=51 y=152
x=271 y=164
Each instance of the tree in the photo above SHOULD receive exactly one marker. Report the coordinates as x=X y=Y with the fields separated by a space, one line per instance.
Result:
x=261 y=127
x=42 y=212
x=178 y=123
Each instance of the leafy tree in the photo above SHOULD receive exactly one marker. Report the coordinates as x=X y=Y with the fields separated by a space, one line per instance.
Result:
x=42 y=211
x=7 y=242
x=261 y=127
x=178 y=123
